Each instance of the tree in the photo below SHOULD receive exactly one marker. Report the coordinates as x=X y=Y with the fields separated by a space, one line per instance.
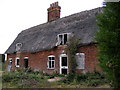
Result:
x=108 y=38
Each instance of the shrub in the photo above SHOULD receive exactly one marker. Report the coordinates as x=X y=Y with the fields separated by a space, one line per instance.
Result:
x=80 y=77
x=22 y=79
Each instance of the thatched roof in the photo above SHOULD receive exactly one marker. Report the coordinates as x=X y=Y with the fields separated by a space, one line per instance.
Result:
x=44 y=36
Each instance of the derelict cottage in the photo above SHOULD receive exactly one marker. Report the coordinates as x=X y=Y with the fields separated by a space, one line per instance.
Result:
x=42 y=47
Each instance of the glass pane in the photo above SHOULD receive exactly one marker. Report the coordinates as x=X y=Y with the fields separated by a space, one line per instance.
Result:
x=53 y=58
x=64 y=61
x=49 y=64
x=52 y=64
x=49 y=58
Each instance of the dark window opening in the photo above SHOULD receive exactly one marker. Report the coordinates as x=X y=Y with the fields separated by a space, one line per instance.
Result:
x=26 y=63
x=60 y=39
x=17 y=62
x=65 y=38
x=64 y=71
x=64 y=61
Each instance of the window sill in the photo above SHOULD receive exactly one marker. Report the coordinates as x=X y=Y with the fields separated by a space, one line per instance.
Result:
x=51 y=68
x=17 y=66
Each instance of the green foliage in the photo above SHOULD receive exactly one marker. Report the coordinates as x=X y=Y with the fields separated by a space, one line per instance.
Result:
x=54 y=75
x=88 y=79
x=71 y=50
x=22 y=79
x=108 y=39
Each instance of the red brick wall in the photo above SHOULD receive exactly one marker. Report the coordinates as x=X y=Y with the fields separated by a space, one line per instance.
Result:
x=38 y=61
x=91 y=61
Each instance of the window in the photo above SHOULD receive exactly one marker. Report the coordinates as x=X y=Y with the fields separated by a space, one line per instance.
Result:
x=17 y=61
x=26 y=62
x=63 y=38
x=10 y=61
x=18 y=46
x=80 y=60
x=51 y=62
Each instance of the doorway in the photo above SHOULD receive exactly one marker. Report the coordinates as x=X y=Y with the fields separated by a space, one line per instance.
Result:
x=63 y=64
x=26 y=62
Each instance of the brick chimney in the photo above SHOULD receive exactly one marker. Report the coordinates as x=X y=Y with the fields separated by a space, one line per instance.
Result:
x=53 y=12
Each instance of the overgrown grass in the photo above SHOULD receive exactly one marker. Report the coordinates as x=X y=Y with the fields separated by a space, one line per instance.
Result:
x=30 y=79
x=23 y=79
x=88 y=80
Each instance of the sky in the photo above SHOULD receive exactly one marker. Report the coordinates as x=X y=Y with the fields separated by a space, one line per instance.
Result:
x=18 y=15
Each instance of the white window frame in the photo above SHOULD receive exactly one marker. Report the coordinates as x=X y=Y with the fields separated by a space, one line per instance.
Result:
x=25 y=57
x=48 y=67
x=59 y=40
x=81 y=54
x=16 y=62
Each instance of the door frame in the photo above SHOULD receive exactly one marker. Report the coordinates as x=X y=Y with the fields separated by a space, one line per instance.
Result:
x=63 y=67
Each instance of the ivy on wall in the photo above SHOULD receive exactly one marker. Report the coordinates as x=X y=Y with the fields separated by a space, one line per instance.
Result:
x=71 y=51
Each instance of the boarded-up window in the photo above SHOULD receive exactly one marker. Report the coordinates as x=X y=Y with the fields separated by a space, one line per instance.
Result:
x=80 y=60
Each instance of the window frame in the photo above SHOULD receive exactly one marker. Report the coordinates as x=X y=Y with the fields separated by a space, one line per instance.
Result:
x=62 y=39
x=48 y=66
x=16 y=60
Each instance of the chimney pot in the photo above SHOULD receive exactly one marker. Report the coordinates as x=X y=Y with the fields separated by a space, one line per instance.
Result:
x=54 y=12
x=50 y=5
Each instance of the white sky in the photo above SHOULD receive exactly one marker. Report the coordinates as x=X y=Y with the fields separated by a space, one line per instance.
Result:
x=18 y=15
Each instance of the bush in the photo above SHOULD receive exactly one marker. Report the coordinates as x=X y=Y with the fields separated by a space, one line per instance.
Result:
x=94 y=83
x=54 y=75
x=22 y=79
x=80 y=77
x=89 y=79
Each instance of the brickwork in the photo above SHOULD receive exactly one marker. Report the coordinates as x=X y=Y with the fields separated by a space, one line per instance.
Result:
x=54 y=12
x=38 y=61
x=91 y=60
